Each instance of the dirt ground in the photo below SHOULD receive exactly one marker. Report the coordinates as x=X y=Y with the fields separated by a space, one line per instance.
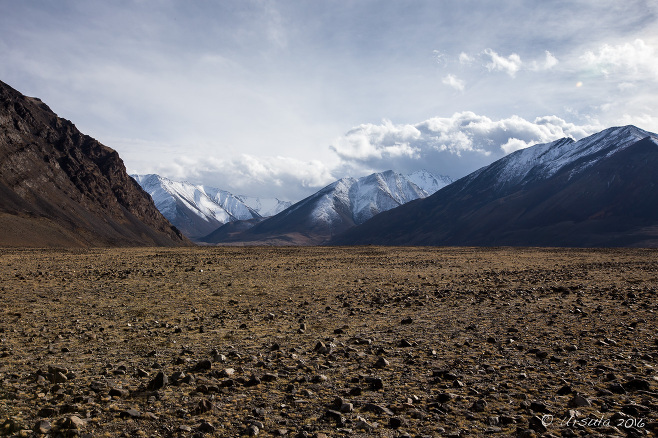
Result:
x=335 y=342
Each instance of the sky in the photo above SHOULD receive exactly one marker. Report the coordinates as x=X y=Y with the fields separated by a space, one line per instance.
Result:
x=280 y=98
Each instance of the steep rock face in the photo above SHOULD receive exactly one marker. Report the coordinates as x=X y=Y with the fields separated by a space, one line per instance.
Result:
x=59 y=187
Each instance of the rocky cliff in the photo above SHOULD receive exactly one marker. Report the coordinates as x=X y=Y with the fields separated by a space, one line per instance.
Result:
x=59 y=187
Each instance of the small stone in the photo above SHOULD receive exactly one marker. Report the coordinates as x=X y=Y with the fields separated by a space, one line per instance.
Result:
x=363 y=424
x=253 y=381
x=535 y=423
x=404 y=344
x=381 y=363
x=204 y=406
x=377 y=409
x=130 y=413
x=158 y=382
x=375 y=383
x=346 y=408
x=538 y=407
x=637 y=385
x=269 y=377
x=394 y=423
x=226 y=372
x=479 y=405
x=356 y=391
x=58 y=377
x=118 y=392
x=206 y=427
x=444 y=397
x=616 y=388
x=579 y=401
x=203 y=365
x=47 y=412
x=72 y=422
x=320 y=378
x=407 y=321
x=334 y=415
x=565 y=390
x=252 y=430
x=142 y=373
x=42 y=426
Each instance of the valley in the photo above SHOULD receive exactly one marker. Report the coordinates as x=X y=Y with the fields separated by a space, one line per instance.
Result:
x=328 y=342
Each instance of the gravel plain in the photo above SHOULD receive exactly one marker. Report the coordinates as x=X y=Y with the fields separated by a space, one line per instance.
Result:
x=328 y=342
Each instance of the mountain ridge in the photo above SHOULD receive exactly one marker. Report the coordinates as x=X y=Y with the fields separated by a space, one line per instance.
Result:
x=198 y=209
x=553 y=194
x=333 y=209
x=63 y=188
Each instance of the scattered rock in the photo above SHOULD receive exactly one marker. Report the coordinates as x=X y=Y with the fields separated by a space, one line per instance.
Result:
x=578 y=401
x=72 y=422
x=158 y=382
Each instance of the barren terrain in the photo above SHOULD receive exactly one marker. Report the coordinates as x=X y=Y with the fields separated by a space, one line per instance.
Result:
x=335 y=342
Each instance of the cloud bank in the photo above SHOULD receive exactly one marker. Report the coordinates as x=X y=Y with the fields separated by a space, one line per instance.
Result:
x=453 y=146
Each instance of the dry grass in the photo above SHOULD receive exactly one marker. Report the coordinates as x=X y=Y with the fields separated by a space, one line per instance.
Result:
x=482 y=316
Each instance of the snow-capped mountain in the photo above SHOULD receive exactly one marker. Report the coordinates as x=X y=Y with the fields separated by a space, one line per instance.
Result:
x=544 y=160
x=197 y=210
x=598 y=191
x=265 y=207
x=429 y=182
x=339 y=206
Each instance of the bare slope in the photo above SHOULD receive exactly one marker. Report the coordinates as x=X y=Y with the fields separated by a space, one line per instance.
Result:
x=59 y=187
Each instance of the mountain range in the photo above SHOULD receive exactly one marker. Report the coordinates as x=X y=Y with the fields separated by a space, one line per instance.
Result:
x=332 y=210
x=61 y=188
x=598 y=191
x=197 y=210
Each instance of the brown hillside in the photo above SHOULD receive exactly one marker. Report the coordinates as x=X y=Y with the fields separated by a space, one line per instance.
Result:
x=59 y=187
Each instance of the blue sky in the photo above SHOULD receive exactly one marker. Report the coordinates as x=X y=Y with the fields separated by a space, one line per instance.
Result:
x=279 y=98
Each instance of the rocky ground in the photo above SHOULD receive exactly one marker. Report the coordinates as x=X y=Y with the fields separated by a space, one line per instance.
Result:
x=328 y=342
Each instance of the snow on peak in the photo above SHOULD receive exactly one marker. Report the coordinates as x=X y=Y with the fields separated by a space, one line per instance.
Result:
x=544 y=160
x=193 y=206
x=367 y=196
x=429 y=182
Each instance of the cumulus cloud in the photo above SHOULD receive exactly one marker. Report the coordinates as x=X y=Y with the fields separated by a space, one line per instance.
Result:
x=509 y=65
x=451 y=146
x=454 y=82
x=635 y=60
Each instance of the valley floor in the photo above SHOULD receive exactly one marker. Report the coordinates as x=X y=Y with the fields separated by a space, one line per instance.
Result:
x=313 y=342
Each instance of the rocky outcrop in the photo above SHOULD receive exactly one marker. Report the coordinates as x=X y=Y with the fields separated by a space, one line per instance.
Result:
x=59 y=187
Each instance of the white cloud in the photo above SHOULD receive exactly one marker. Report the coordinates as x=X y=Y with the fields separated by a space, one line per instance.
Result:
x=452 y=146
x=454 y=82
x=636 y=60
x=509 y=65
x=464 y=58
x=549 y=62
x=642 y=120
x=283 y=177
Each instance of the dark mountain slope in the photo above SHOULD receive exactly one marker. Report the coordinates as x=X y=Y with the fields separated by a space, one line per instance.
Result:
x=59 y=187
x=600 y=191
